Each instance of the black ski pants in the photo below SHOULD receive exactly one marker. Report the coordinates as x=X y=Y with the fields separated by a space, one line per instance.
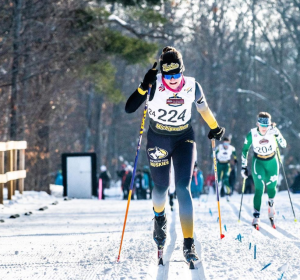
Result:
x=181 y=149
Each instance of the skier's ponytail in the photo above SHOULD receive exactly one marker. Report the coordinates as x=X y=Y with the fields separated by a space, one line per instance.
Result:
x=172 y=51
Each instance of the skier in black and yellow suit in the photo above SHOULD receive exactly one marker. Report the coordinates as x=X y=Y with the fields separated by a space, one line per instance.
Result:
x=171 y=135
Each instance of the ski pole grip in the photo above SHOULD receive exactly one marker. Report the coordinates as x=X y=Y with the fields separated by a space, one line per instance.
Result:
x=213 y=143
x=153 y=68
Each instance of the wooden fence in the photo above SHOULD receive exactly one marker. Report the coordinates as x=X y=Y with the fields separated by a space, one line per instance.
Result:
x=12 y=167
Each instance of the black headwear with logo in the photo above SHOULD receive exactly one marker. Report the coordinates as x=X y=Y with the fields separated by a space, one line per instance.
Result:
x=171 y=61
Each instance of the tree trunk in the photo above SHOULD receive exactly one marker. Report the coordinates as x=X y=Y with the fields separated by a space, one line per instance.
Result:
x=87 y=141
x=97 y=142
x=15 y=68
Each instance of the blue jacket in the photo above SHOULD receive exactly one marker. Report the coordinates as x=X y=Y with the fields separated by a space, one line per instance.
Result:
x=59 y=179
x=199 y=187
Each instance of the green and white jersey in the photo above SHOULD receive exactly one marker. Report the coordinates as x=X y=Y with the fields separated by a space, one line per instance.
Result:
x=224 y=155
x=264 y=146
x=171 y=112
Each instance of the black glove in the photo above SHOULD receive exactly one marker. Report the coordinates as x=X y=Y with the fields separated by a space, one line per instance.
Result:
x=216 y=133
x=150 y=77
x=244 y=172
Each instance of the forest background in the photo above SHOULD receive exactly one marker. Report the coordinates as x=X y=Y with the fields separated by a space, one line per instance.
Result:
x=67 y=68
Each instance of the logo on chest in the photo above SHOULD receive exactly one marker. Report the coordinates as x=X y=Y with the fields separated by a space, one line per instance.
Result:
x=162 y=88
x=189 y=89
x=175 y=101
x=264 y=141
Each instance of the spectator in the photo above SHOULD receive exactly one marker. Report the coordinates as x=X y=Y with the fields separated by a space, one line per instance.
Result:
x=209 y=183
x=249 y=184
x=59 y=178
x=225 y=153
x=148 y=183
x=296 y=185
x=127 y=180
x=139 y=185
x=121 y=172
x=105 y=177
x=122 y=175
x=144 y=187
x=232 y=176
x=197 y=182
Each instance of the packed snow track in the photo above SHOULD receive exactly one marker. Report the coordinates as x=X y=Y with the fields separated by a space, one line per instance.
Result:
x=80 y=239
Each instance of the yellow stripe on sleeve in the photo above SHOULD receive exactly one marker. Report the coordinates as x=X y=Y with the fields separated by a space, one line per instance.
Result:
x=209 y=118
x=142 y=92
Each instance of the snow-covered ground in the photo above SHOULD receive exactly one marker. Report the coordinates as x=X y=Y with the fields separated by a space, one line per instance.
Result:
x=79 y=239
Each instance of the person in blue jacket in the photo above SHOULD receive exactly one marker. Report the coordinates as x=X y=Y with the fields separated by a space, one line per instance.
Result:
x=197 y=182
x=59 y=178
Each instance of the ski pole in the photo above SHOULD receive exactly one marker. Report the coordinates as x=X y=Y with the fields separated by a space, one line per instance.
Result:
x=134 y=169
x=213 y=143
x=243 y=189
x=287 y=185
x=135 y=164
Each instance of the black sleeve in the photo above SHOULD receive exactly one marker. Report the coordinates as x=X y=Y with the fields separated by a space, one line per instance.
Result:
x=135 y=100
x=198 y=91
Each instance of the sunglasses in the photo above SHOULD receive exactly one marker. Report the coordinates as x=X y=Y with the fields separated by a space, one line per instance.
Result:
x=263 y=125
x=175 y=76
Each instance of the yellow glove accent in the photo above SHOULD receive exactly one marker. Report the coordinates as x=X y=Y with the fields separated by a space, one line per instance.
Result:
x=142 y=92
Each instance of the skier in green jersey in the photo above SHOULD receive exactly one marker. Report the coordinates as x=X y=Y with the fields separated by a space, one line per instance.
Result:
x=265 y=166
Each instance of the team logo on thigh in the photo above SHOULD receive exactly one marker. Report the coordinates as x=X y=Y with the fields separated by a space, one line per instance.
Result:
x=157 y=153
x=273 y=178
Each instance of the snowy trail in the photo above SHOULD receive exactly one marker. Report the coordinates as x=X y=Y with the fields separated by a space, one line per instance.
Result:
x=265 y=225
x=199 y=266
x=233 y=259
x=178 y=268
x=174 y=265
x=79 y=239
x=275 y=233
x=161 y=272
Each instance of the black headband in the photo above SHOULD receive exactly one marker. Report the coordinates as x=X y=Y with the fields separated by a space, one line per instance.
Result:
x=171 y=65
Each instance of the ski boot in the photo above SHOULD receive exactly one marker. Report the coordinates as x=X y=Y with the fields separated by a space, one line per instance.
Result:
x=271 y=212
x=256 y=220
x=160 y=234
x=189 y=252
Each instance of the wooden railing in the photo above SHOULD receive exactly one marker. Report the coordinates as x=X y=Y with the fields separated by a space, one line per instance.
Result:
x=12 y=167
